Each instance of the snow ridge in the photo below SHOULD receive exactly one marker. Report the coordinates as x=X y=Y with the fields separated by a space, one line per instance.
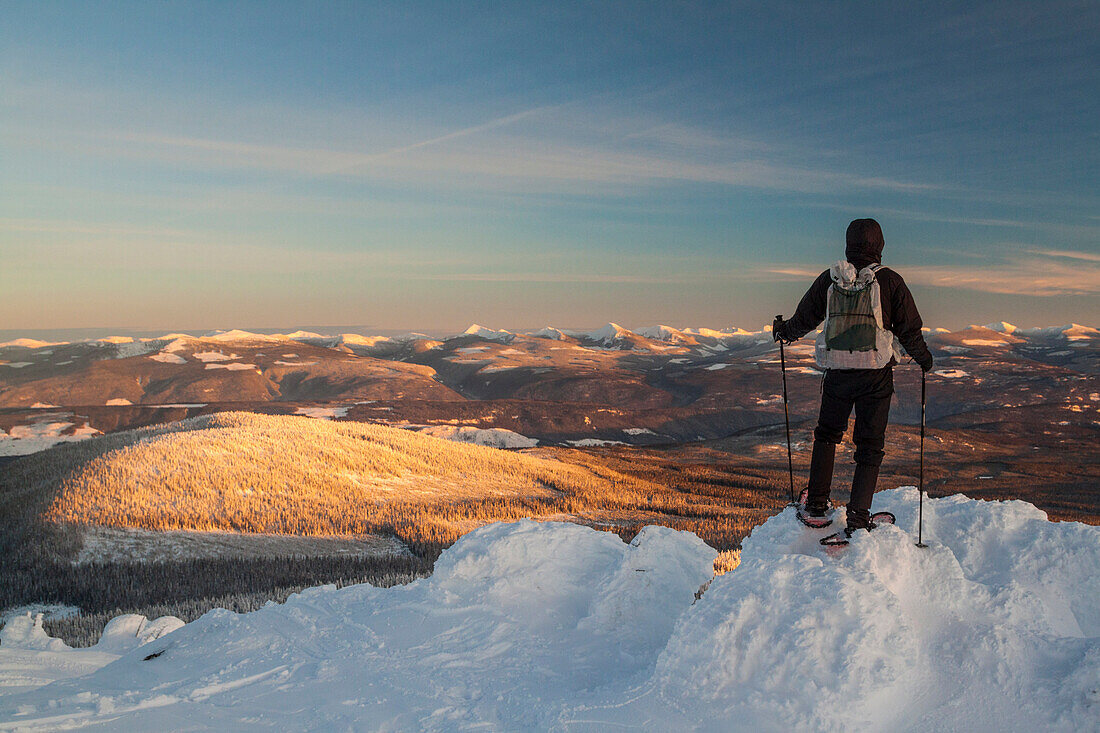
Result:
x=548 y=626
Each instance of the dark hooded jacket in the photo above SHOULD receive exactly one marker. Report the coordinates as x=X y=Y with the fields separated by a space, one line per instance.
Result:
x=864 y=244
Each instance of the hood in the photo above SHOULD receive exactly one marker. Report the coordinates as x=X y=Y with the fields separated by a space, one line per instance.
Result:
x=864 y=243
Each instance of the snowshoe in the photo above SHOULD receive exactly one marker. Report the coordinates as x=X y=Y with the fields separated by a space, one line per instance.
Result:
x=813 y=521
x=840 y=539
x=883 y=518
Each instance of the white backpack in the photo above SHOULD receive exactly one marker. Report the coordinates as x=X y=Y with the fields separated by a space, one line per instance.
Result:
x=853 y=336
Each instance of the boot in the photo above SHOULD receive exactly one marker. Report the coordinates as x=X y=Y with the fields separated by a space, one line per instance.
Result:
x=821 y=477
x=863 y=489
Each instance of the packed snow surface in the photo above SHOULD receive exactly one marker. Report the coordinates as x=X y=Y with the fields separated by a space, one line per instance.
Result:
x=530 y=626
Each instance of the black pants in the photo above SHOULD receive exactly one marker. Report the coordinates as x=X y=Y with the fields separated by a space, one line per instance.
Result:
x=869 y=391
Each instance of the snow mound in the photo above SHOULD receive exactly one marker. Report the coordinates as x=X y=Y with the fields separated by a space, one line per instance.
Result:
x=131 y=630
x=530 y=626
x=26 y=632
x=29 y=658
x=997 y=615
x=517 y=623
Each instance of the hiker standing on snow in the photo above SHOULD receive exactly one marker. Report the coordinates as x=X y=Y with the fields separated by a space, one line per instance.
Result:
x=867 y=309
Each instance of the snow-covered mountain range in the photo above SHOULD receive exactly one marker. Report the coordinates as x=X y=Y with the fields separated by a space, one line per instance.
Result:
x=611 y=334
x=585 y=385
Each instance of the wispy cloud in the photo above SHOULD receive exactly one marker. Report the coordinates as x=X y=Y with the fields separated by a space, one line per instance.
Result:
x=1034 y=277
x=557 y=277
x=456 y=134
x=791 y=273
x=545 y=148
x=1020 y=275
x=211 y=253
x=51 y=226
x=1065 y=254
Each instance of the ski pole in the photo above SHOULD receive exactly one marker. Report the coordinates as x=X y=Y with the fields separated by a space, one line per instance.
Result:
x=920 y=488
x=786 y=414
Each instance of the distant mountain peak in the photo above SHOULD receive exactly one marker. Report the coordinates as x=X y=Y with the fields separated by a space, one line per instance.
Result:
x=550 y=332
x=610 y=332
x=488 y=333
x=660 y=332
x=25 y=343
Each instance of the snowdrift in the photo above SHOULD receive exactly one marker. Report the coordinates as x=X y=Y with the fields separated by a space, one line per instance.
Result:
x=530 y=626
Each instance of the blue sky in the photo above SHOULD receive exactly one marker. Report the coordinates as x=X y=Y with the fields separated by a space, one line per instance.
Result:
x=409 y=165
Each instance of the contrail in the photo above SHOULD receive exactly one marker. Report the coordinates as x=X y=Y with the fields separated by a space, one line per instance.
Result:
x=490 y=125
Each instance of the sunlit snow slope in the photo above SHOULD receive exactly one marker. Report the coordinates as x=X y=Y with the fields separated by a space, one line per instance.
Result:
x=531 y=626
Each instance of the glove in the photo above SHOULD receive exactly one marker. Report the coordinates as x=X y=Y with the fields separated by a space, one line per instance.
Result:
x=926 y=364
x=779 y=330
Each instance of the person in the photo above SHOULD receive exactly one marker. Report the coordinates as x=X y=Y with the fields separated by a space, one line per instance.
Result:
x=868 y=311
